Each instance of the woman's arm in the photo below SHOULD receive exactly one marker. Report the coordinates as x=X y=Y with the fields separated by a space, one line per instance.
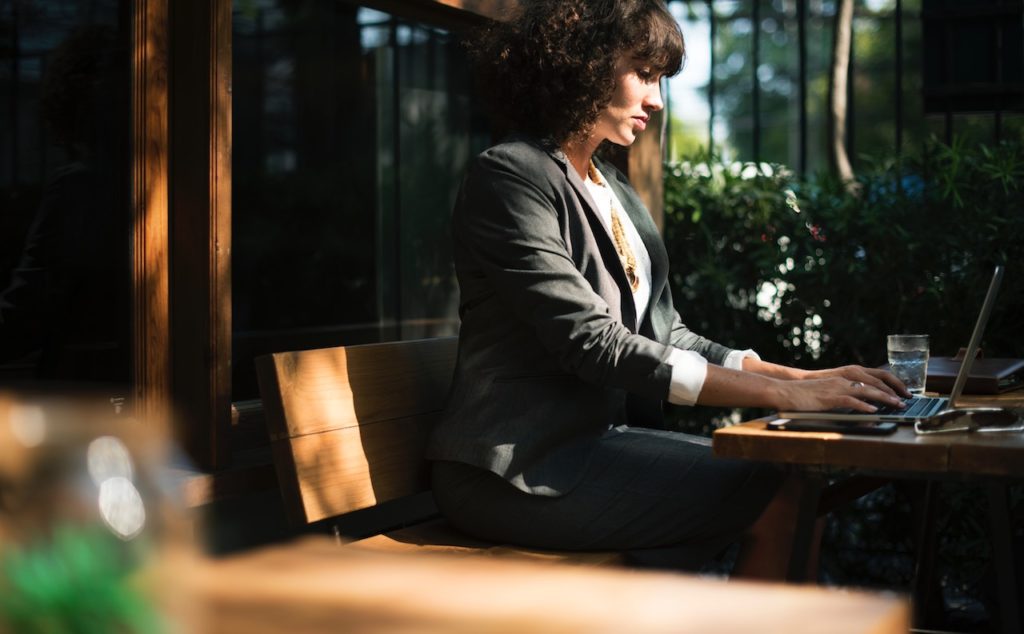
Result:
x=879 y=379
x=768 y=385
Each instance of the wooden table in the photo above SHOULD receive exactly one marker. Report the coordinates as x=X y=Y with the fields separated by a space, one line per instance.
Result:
x=956 y=454
x=314 y=585
x=994 y=459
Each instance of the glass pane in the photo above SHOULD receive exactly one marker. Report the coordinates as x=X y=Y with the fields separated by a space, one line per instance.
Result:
x=820 y=18
x=351 y=130
x=779 y=75
x=437 y=139
x=729 y=8
x=873 y=89
x=914 y=128
x=733 y=126
x=975 y=129
x=986 y=71
x=1013 y=128
x=688 y=105
x=936 y=124
x=878 y=6
x=64 y=244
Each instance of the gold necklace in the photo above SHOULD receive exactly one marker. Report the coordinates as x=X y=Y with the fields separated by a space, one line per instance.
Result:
x=622 y=247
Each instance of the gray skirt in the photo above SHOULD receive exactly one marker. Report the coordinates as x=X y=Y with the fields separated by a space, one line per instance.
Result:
x=660 y=496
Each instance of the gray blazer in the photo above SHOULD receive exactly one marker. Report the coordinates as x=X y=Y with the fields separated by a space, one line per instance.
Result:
x=550 y=355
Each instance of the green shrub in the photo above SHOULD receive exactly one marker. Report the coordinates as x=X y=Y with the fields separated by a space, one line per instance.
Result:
x=809 y=274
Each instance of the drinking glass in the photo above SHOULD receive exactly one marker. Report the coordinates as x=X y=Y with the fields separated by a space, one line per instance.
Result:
x=908 y=360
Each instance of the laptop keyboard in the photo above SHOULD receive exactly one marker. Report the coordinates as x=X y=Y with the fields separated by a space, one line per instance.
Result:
x=916 y=406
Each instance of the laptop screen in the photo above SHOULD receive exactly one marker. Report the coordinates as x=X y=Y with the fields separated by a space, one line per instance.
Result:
x=979 y=330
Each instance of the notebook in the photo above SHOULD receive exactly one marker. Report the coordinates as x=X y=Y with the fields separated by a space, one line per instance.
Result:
x=988 y=375
x=921 y=407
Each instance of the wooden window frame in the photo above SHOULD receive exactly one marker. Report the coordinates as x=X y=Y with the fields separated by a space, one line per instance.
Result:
x=149 y=211
x=181 y=221
x=200 y=231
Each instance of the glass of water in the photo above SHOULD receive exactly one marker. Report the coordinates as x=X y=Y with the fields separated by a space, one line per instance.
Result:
x=908 y=360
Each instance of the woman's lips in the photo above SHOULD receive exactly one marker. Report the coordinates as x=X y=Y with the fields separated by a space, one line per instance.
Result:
x=641 y=122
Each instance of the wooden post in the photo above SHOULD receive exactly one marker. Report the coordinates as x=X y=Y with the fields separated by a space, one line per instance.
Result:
x=149 y=191
x=201 y=238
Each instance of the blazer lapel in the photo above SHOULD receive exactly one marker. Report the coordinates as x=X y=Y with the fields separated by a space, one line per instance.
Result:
x=601 y=233
x=637 y=212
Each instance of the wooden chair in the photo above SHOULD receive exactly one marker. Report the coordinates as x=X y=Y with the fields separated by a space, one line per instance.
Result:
x=348 y=427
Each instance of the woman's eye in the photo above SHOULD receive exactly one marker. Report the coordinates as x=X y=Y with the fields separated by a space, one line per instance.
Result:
x=645 y=74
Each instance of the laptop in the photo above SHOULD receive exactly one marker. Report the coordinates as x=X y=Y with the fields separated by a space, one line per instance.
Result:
x=920 y=407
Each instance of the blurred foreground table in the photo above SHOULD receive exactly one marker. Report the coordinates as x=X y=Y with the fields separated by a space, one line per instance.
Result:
x=313 y=585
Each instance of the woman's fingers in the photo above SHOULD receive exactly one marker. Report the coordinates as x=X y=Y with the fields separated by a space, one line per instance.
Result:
x=880 y=384
x=891 y=381
x=861 y=396
x=879 y=379
x=870 y=392
x=854 y=403
x=823 y=394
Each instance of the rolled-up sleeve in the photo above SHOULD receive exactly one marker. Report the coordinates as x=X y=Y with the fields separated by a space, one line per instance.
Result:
x=734 y=360
x=689 y=370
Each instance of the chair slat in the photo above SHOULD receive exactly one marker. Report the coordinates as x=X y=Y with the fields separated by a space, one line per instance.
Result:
x=348 y=425
x=345 y=470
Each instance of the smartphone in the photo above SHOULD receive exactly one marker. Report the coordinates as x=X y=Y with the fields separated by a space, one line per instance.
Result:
x=863 y=427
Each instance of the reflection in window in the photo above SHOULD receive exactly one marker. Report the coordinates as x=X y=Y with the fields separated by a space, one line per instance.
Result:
x=64 y=264
x=351 y=131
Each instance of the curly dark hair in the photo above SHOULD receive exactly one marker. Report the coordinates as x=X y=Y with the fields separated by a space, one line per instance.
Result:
x=549 y=70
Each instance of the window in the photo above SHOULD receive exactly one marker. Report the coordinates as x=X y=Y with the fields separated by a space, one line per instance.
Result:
x=351 y=130
x=974 y=55
x=64 y=242
x=689 y=124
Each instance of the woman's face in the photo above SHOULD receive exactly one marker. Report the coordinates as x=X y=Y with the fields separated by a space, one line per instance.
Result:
x=637 y=94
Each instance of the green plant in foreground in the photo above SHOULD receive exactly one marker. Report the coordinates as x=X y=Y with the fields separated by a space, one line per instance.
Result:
x=78 y=581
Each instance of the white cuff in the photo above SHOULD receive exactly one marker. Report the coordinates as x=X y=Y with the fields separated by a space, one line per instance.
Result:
x=734 y=360
x=689 y=370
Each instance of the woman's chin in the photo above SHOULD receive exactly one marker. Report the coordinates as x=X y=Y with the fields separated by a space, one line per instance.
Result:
x=624 y=140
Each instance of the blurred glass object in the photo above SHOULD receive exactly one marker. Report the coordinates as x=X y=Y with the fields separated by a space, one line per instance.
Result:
x=92 y=531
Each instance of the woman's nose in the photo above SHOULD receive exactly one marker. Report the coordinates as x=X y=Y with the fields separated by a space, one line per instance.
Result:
x=652 y=100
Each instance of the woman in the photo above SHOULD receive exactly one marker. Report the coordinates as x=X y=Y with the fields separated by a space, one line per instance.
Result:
x=570 y=341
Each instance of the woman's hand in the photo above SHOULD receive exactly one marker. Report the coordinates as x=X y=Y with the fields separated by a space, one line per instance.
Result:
x=768 y=385
x=878 y=379
x=818 y=394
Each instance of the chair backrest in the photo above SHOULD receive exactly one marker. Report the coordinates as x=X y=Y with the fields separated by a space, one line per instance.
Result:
x=348 y=425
